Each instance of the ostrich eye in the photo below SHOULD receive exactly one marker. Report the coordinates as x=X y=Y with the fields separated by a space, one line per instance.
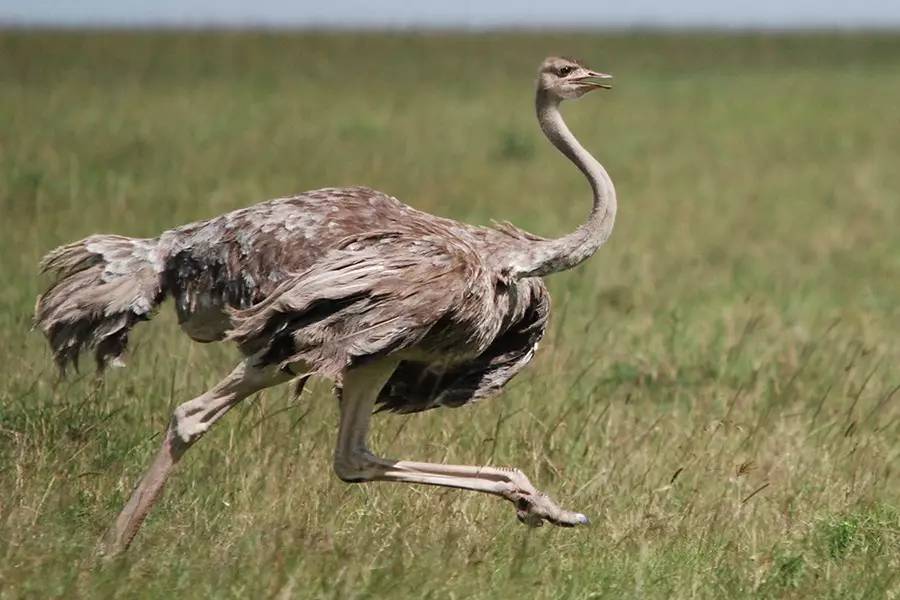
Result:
x=563 y=71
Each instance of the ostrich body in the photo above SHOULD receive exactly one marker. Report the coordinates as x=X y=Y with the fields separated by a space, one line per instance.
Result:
x=403 y=310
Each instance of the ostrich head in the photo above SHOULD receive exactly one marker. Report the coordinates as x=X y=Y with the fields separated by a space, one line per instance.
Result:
x=566 y=79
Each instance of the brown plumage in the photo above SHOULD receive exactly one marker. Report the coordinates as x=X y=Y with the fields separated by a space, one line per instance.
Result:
x=402 y=309
x=330 y=277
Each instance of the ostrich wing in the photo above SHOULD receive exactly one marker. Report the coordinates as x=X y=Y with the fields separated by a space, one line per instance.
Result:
x=377 y=293
x=417 y=386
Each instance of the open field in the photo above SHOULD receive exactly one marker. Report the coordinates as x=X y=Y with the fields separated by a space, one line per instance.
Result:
x=718 y=392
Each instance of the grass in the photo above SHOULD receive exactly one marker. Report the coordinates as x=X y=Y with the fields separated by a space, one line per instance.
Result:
x=719 y=389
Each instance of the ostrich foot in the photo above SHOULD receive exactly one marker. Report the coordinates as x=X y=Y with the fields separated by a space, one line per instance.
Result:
x=533 y=506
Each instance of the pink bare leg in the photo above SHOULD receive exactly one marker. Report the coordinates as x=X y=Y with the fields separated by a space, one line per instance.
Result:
x=354 y=463
x=189 y=422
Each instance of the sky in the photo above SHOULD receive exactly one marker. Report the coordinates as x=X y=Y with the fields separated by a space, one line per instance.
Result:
x=469 y=14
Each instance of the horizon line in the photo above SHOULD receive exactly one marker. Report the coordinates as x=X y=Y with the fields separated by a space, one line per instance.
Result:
x=425 y=28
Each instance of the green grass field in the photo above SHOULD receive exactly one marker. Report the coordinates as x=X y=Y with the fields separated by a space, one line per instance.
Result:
x=718 y=391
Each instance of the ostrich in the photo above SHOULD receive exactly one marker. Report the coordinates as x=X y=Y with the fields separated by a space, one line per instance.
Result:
x=404 y=311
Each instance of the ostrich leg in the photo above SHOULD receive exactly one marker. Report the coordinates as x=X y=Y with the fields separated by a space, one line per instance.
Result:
x=189 y=422
x=354 y=463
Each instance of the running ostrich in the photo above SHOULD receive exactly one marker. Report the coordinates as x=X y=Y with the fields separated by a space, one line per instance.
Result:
x=404 y=311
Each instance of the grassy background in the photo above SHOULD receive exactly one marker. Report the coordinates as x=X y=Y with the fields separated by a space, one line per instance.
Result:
x=718 y=390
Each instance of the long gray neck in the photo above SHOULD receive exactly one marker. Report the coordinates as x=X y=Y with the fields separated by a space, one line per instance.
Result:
x=552 y=256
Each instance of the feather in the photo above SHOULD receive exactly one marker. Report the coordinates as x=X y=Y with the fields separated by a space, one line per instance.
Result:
x=333 y=277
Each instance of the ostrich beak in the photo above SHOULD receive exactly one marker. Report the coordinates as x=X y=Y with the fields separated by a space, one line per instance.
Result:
x=596 y=80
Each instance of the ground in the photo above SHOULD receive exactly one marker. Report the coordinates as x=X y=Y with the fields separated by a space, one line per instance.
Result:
x=718 y=390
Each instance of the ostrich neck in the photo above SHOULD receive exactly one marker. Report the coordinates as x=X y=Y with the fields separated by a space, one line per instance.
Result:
x=551 y=256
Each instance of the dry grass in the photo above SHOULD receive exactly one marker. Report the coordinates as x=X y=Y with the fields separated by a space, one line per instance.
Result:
x=719 y=391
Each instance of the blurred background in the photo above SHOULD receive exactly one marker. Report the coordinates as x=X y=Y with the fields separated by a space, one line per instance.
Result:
x=718 y=390
x=469 y=14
